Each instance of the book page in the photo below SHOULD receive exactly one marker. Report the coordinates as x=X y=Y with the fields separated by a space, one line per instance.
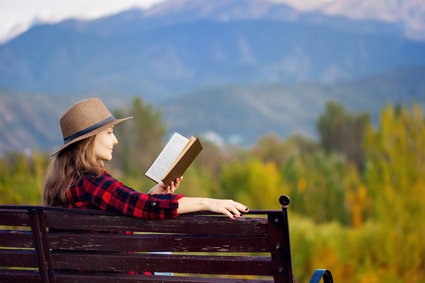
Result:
x=166 y=158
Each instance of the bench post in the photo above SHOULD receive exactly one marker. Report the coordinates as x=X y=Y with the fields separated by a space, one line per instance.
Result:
x=279 y=243
x=38 y=227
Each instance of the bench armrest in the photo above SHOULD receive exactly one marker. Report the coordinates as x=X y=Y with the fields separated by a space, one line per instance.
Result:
x=322 y=273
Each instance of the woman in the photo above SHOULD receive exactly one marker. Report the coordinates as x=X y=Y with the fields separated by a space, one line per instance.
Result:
x=76 y=177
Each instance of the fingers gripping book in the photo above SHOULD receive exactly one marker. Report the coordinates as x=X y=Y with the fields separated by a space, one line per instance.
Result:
x=174 y=159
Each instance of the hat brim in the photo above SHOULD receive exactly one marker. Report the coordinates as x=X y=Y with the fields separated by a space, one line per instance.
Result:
x=91 y=133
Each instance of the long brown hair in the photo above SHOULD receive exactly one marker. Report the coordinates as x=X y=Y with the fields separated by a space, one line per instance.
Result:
x=66 y=167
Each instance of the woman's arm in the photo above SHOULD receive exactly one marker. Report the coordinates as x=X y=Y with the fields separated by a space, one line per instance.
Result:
x=230 y=208
x=189 y=204
x=106 y=193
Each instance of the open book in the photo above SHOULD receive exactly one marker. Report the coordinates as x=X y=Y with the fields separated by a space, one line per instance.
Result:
x=174 y=159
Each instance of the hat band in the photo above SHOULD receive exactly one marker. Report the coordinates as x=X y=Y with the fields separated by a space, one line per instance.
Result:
x=89 y=129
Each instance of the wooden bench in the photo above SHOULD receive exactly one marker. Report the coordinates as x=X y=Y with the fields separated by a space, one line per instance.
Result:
x=47 y=244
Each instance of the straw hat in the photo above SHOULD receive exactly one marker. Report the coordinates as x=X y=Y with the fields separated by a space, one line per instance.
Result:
x=85 y=119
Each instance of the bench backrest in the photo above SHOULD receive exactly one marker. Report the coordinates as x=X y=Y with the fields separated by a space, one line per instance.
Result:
x=48 y=244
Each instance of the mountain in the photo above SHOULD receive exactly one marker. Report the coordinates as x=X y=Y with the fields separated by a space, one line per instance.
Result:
x=408 y=15
x=235 y=68
x=183 y=45
x=237 y=114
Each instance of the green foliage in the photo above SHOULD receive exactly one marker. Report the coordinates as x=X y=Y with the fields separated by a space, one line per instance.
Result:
x=317 y=177
x=273 y=148
x=211 y=159
x=365 y=225
x=351 y=254
x=343 y=132
x=140 y=139
x=254 y=183
x=198 y=182
x=21 y=178
x=395 y=177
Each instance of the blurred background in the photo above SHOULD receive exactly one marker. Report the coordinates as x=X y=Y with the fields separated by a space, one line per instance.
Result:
x=321 y=100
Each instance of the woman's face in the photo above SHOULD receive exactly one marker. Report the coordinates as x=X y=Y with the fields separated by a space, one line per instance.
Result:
x=103 y=144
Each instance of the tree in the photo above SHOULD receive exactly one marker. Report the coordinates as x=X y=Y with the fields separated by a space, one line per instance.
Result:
x=395 y=177
x=254 y=183
x=316 y=183
x=343 y=132
x=271 y=148
x=140 y=139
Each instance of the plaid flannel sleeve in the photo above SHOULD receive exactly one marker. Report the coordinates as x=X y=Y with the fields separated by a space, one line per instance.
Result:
x=106 y=193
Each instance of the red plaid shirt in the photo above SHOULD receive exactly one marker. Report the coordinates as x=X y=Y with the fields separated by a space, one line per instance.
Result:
x=104 y=192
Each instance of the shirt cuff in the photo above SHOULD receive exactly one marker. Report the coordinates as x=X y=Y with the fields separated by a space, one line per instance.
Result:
x=163 y=206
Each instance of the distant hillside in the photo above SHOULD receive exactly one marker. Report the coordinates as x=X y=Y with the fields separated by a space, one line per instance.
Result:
x=238 y=114
x=184 y=45
x=243 y=114
x=30 y=121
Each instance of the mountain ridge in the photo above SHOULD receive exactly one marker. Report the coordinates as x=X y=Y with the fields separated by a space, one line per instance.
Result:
x=248 y=112
x=236 y=114
x=408 y=15
x=159 y=63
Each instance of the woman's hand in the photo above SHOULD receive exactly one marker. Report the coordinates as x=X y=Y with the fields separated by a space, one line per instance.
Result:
x=163 y=189
x=227 y=207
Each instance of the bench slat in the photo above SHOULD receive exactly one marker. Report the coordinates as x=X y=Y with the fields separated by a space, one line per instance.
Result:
x=236 y=265
x=18 y=258
x=98 y=277
x=194 y=224
x=156 y=242
x=14 y=217
x=19 y=276
x=15 y=238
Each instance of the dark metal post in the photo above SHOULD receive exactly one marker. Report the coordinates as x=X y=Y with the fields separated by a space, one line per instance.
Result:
x=279 y=243
x=38 y=228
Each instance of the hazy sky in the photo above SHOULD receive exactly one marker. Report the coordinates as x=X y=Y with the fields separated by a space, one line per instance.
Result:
x=17 y=15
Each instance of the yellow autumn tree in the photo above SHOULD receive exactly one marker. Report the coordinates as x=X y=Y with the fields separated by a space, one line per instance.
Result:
x=395 y=177
x=254 y=183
